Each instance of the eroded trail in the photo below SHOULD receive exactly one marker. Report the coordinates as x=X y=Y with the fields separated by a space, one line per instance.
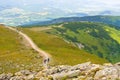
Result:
x=45 y=55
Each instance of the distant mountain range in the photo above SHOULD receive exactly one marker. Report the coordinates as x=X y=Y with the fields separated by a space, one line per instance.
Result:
x=112 y=20
x=15 y=16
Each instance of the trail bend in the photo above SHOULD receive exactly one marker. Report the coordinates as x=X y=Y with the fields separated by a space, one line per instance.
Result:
x=45 y=55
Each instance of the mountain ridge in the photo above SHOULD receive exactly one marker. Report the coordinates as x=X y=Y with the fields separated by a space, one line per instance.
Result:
x=112 y=20
x=96 y=38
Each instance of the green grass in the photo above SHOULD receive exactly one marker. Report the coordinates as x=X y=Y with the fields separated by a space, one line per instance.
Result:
x=14 y=56
x=94 y=37
x=61 y=52
x=114 y=33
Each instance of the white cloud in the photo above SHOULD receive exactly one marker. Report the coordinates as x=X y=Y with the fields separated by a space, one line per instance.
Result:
x=13 y=10
x=28 y=10
x=68 y=5
x=43 y=13
x=68 y=10
x=109 y=2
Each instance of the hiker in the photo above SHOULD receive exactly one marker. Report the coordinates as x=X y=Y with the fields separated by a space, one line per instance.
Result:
x=45 y=61
x=48 y=60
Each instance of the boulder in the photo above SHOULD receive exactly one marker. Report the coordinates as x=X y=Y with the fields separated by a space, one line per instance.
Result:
x=57 y=69
x=30 y=77
x=23 y=72
x=64 y=68
x=44 y=78
x=51 y=71
x=108 y=73
x=117 y=66
x=39 y=75
x=63 y=75
x=107 y=65
x=81 y=67
x=17 y=78
x=91 y=70
x=6 y=76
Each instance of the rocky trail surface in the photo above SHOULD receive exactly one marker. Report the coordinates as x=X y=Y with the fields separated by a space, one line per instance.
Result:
x=84 y=71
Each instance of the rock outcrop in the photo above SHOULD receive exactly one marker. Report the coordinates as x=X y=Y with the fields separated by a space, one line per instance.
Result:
x=84 y=71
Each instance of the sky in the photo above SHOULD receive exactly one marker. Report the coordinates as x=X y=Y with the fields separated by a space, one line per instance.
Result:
x=17 y=12
x=87 y=6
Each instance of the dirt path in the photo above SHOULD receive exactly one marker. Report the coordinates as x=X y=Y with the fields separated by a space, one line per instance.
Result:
x=45 y=55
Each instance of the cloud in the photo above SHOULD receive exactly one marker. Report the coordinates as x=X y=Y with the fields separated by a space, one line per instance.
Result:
x=43 y=13
x=73 y=5
x=67 y=6
x=20 y=11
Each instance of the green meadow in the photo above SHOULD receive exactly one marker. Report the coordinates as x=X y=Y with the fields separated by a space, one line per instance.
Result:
x=14 y=55
x=61 y=51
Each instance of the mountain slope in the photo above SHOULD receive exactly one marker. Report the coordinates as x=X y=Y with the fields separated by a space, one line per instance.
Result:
x=61 y=51
x=96 y=38
x=14 y=54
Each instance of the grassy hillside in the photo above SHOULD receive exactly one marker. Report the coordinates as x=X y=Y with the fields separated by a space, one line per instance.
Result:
x=61 y=51
x=14 y=55
x=114 y=33
x=99 y=39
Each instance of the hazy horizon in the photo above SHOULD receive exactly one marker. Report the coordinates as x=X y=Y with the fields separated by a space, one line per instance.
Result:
x=20 y=11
